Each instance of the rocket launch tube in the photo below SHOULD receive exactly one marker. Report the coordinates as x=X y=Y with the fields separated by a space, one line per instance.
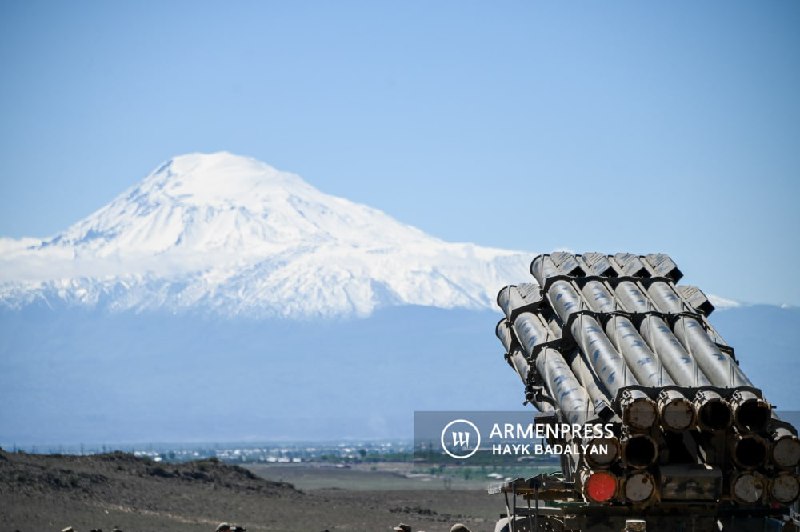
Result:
x=517 y=360
x=506 y=335
x=522 y=368
x=644 y=364
x=784 y=488
x=572 y=398
x=608 y=365
x=718 y=369
x=682 y=368
x=639 y=487
x=785 y=450
x=532 y=331
x=514 y=299
x=638 y=410
x=675 y=410
x=647 y=366
x=748 y=487
x=585 y=376
x=750 y=412
x=721 y=369
x=713 y=412
x=749 y=451
x=638 y=450
x=603 y=460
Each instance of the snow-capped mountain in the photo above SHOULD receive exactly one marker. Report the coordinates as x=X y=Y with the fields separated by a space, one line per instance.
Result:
x=221 y=235
x=235 y=236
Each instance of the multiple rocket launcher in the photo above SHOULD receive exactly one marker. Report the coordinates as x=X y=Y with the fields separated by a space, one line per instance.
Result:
x=612 y=339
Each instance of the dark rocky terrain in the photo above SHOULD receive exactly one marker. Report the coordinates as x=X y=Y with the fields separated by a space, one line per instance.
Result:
x=48 y=492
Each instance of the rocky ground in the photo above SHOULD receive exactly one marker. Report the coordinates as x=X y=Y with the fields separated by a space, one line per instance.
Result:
x=48 y=492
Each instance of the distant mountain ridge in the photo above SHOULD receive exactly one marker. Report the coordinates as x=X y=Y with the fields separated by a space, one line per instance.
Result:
x=234 y=236
x=86 y=375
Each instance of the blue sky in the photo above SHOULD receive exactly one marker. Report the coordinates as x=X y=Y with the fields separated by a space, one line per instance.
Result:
x=528 y=125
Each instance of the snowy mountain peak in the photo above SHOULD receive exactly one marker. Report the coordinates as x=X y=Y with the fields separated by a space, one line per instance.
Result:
x=220 y=179
x=223 y=203
x=233 y=235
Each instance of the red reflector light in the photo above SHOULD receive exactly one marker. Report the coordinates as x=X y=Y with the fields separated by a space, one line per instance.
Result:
x=601 y=486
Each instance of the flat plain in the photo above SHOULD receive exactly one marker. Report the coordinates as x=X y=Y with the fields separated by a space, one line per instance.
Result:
x=49 y=492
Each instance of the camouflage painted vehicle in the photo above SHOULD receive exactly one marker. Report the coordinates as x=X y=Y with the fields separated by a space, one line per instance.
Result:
x=695 y=445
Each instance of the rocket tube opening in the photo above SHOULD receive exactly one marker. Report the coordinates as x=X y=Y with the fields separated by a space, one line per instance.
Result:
x=677 y=415
x=786 y=452
x=747 y=488
x=753 y=415
x=640 y=451
x=715 y=415
x=601 y=486
x=598 y=459
x=640 y=413
x=785 y=488
x=639 y=487
x=750 y=452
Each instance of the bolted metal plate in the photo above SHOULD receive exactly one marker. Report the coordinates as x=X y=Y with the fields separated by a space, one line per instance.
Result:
x=690 y=483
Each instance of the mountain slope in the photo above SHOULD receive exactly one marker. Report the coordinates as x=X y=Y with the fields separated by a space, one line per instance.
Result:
x=234 y=236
